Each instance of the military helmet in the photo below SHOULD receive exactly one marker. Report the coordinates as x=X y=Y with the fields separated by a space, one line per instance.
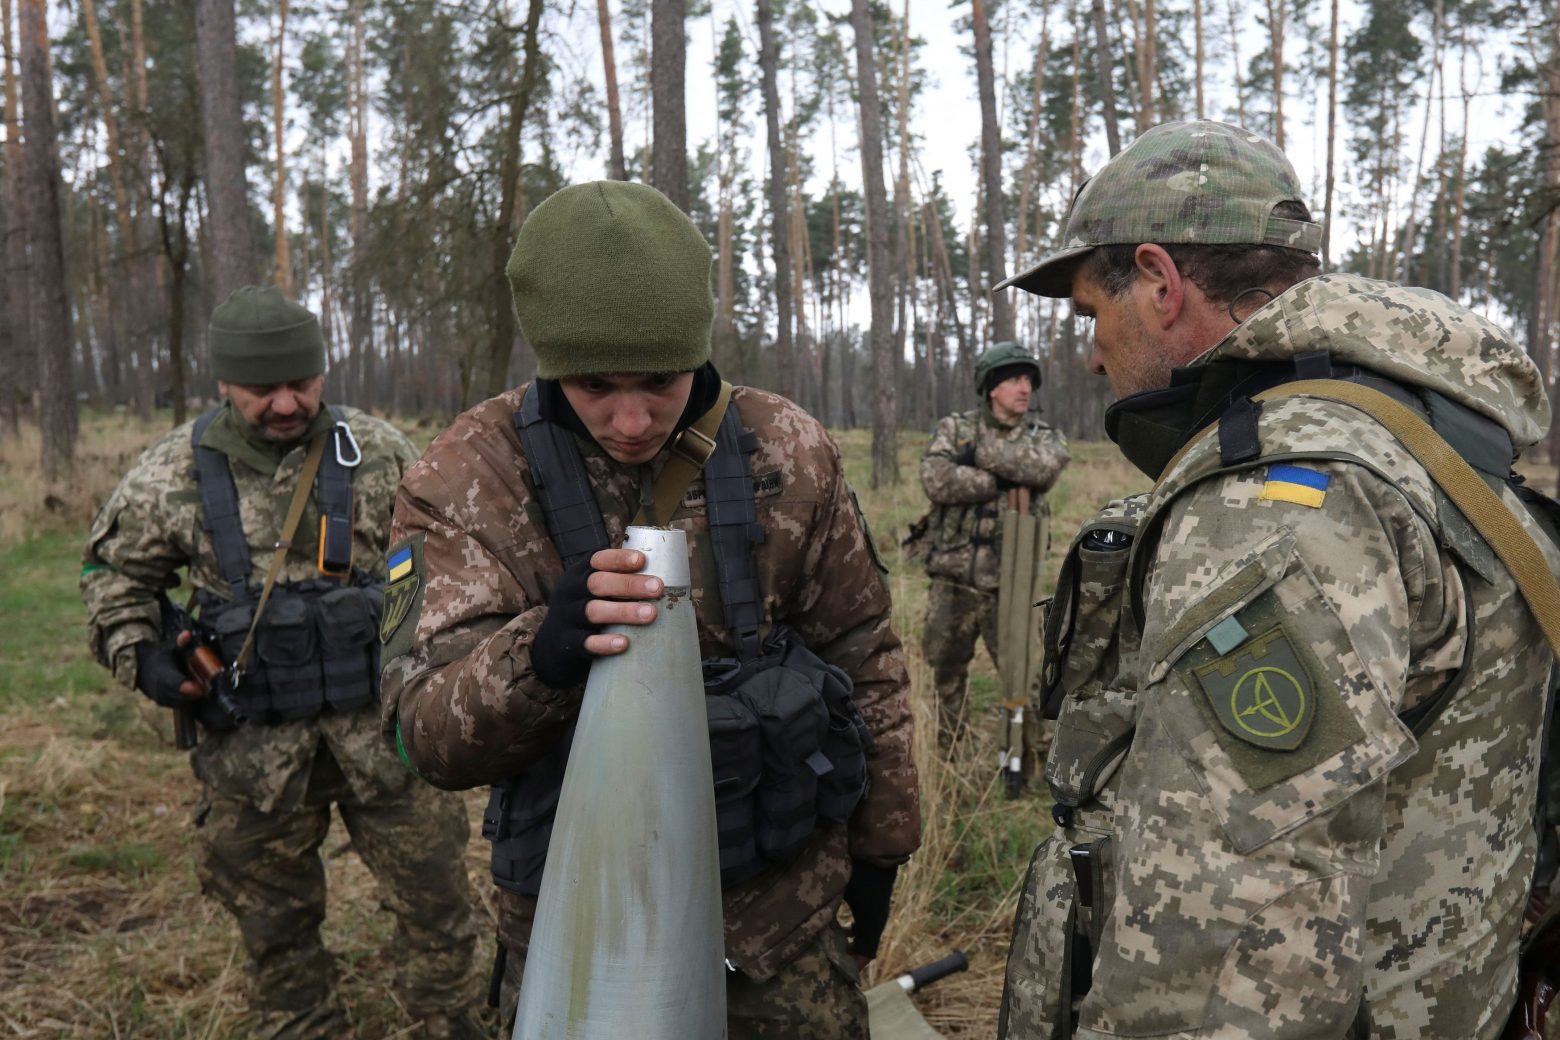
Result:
x=1003 y=361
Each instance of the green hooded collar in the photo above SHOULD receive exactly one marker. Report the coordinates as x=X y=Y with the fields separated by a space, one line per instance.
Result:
x=230 y=434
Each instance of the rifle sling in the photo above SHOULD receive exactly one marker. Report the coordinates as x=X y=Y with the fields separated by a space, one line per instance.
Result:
x=1467 y=490
x=300 y=498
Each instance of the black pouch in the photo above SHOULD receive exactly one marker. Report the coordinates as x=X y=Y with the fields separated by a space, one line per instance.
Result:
x=792 y=722
x=736 y=754
x=287 y=643
x=519 y=820
x=845 y=746
x=349 y=645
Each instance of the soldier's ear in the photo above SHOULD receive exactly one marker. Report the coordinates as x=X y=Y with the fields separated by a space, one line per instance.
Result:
x=1160 y=288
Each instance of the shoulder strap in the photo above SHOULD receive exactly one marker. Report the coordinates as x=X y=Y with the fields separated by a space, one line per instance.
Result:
x=333 y=493
x=568 y=504
x=731 y=504
x=1482 y=506
x=219 y=509
x=690 y=452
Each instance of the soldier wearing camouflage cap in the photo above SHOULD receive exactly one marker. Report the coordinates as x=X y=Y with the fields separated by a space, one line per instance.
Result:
x=974 y=459
x=503 y=607
x=1301 y=703
x=299 y=732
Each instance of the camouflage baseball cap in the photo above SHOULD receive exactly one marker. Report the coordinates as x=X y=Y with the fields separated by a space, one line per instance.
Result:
x=1203 y=183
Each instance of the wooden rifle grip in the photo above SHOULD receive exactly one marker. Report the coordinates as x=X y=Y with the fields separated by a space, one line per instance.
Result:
x=204 y=667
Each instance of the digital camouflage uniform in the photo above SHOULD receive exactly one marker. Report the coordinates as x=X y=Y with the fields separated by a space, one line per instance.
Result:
x=964 y=543
x=268 y=789
x=1278 y=848
x=470 y=711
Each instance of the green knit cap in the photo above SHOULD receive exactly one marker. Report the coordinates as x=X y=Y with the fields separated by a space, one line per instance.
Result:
x=612 y=277
x=259 y=337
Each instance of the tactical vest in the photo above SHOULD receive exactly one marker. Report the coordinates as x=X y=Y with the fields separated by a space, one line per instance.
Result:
x=317 y=644
x=1088 y=687
x=787 y=744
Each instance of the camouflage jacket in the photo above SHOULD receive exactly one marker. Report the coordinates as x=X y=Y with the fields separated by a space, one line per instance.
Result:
x=151 y=527
x=1282 y=845
x=964 y=528
x=469 y=710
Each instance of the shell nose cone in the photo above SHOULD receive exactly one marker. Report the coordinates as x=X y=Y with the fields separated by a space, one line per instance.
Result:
x=666 y=553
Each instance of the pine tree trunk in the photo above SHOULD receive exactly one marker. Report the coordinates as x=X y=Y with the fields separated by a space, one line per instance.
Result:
x=780 y=237
x=1197 y=25
x=501 y=311
x=360 y=321
x=282 y=269
x=1411 y=224
x=668 y=68
x=49 y=288
x=15 y=324
x=1149 y=64
x=1332 y=137
x=1541 y=324
x=1276 y=10
x=1460 y=193
x=1240 y=89
x=227 y=198
x=885 y=367
x=1102 y=65
x=616 y=169
x=991 y=178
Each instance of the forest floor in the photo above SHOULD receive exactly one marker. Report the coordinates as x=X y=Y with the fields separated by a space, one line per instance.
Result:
x=103 y=930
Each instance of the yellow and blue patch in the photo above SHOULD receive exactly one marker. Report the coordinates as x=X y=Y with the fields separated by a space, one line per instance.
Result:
x=400 y=562
x=1297 y=484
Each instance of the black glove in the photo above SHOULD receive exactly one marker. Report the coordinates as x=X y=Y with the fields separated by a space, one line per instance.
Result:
x=558 y=655
x=159 y=671
x=868 y=893
x=1004 y=484
x=966 y=455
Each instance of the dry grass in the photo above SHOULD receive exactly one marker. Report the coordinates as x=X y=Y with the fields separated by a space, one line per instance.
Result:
x=104 y=933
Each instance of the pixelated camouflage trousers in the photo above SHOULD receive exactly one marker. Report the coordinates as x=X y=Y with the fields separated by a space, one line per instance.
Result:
x=266 y=869
x=814 y=997
x=956 y=616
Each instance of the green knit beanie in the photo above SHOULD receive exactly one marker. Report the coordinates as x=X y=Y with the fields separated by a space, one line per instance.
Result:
x=612 y=277
x=259 y=337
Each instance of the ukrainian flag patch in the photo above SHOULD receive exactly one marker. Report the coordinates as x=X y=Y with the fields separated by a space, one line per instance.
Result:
x=1297 y=484
x=400 y=562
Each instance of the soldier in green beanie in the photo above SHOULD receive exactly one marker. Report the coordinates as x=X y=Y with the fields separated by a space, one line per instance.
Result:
x=511 y=522
x=1299 y=729
x=298 y=733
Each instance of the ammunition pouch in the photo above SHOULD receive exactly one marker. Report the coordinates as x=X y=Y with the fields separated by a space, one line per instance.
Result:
x=316 y=647
x=788 y=750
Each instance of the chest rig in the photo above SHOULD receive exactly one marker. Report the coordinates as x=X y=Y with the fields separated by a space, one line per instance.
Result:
x=787 y=744
x=316 y=647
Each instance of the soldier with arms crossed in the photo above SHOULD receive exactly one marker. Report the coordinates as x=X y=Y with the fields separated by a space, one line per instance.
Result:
x=975 y=458
x=1305 y=808
x=511 y=519
x=213 y=496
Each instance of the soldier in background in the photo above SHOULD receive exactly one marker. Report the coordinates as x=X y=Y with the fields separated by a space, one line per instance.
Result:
x=299 y=733
x=974 y=459
x=487 y=660
x=1307 y=808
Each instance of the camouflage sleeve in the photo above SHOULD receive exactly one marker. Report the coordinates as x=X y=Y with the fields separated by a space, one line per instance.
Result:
x=945 y=480
x=1277 y=646
x=461 y=695
x=845 y=616
x=1033 y=455
x=133 y=552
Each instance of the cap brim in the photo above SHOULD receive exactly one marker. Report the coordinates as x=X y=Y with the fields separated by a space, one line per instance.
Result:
x=1052 y=276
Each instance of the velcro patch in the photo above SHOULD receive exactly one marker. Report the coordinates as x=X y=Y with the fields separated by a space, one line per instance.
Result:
x=403 y=596
x=1296 y=484
x=764 y=485
x=1261 y=692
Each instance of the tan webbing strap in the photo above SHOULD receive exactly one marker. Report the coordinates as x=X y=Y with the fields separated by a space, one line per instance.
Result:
x=1467 y=490
x=300 y=498
x=690 y=452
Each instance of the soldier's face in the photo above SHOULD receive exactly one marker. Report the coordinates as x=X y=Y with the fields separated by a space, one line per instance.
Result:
x=280 y=411
x=1124 y=350
x=629 y=414
x=1010 y=398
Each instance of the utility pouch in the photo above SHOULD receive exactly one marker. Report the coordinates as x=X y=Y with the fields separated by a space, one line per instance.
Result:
x=349 y=645
x=1091 y=643
x=811 y=759
x=287 y=643
x=518 y=821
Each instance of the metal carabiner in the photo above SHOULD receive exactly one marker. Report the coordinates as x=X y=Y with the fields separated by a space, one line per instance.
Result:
x=357 y=453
